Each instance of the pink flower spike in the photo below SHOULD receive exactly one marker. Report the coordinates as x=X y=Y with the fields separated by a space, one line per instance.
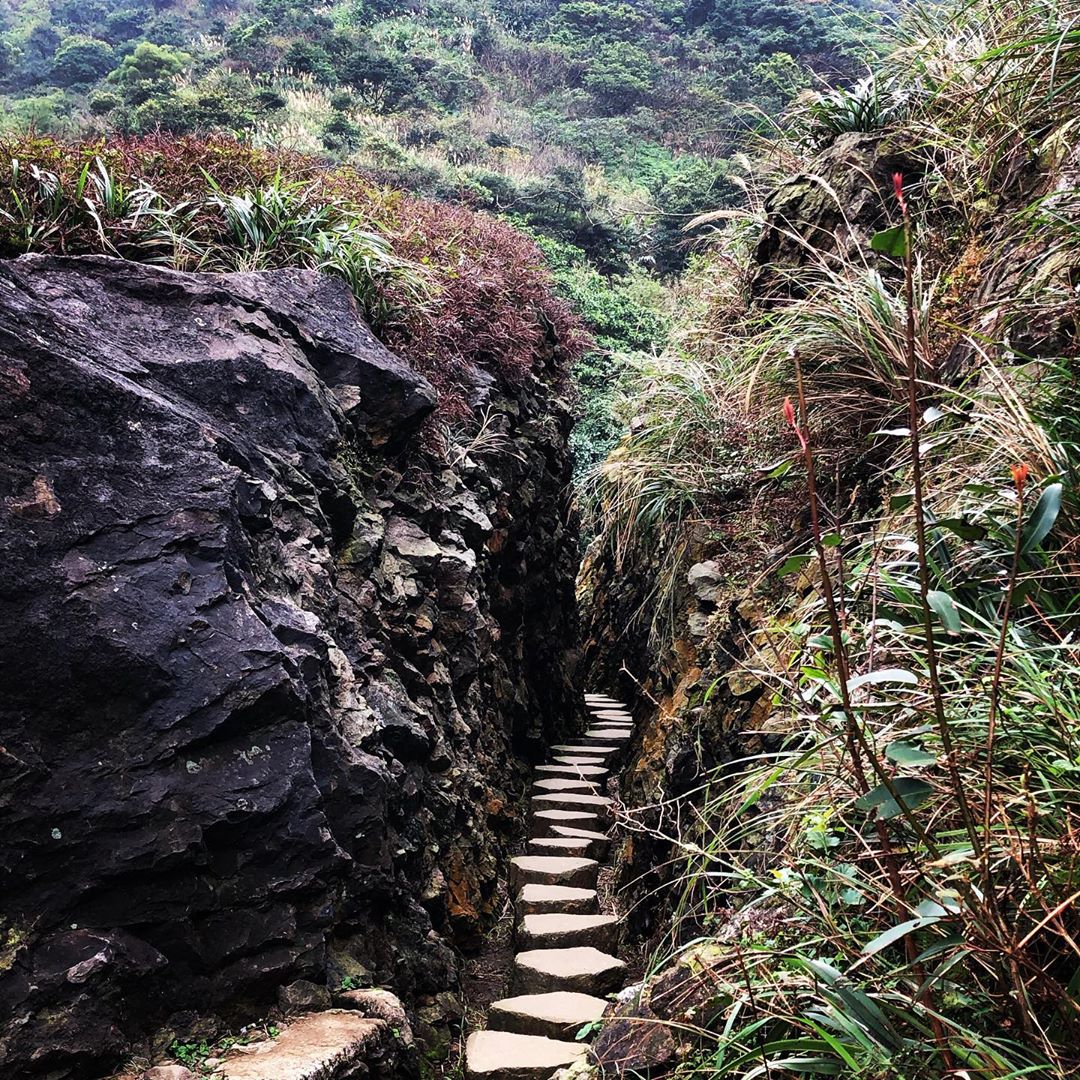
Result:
x=898 y=188
x=789 y=412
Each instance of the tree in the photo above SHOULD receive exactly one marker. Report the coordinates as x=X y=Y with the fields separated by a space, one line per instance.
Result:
x=81 y=59
x=620 y=75
x=148 y=69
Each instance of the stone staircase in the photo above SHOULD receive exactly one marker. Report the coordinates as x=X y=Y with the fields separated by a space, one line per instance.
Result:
x=567 y=949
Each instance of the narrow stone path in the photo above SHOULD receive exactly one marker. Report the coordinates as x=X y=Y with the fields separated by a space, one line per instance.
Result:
x=567 y=951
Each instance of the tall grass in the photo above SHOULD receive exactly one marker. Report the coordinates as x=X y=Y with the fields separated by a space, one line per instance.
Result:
x=897 y=873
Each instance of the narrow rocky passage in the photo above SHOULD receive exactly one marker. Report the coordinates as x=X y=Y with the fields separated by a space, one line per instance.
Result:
x=567 y=958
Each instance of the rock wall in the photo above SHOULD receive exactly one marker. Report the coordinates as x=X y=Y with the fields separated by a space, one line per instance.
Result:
x=270 y=670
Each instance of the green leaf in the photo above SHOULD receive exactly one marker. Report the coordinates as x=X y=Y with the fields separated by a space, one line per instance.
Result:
x=902 y=501
x=883 y=675
x=909 y=791
x=905 y=752
x=793 y=565
x=959 y=527
x=779 y=470
x=832 y=540
x=944 y=606
x=890 y=242
x=1042 y=517
x=895 y=933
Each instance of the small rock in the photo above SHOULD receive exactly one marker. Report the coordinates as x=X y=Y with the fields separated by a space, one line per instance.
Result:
x=169 y=1072
x=705 y=581
x=303 y=995
x=379 y=1005
x=634 y=1043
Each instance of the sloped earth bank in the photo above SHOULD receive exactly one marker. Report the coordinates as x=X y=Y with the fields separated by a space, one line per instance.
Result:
x=271 y=673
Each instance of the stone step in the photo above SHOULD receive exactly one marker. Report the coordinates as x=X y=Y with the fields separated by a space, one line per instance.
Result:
x=593 y=846
x=566 y=760
x=599 y=841
x=577 y=749
x=558 y=930
x=506 y=1055
x=608 y=735
x=584 y=772
x=573 y=847
x=600 y=697
x=584 y=756
x=572 y=800
x=558 y=1015
x=616 y=717
x=582 y=970
x=333 y=1045
x=547 y=899
x=552 y=870
x=544 y=821
x=564 y=784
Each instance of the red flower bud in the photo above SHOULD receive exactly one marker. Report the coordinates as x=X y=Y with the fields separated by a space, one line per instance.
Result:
x=898 y=189
x=789 y=412
x=1020 y=476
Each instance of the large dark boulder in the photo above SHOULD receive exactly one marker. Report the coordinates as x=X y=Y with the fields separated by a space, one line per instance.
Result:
x=242 y=617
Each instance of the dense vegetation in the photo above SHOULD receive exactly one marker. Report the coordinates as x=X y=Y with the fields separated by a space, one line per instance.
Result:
x=604 y=124
x=895 y=872
x=601 y=126
x=451 y=290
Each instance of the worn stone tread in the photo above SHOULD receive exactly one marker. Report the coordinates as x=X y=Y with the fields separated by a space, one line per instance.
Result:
x=556 y=1015
x=594 y=772
x=552 y=870
x=574 y=831
x=573 y=847
x=572 y=800
x=582 y=969
x=564 y=784
x=542 y=899
x=543 y=821
x=608 y=735
x=558 y=930
x=578 y=748
x=506 y=1055
x=316 y=1046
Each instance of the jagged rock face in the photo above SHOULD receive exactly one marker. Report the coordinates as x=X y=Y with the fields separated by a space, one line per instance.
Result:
x=268 y=668
x=833 y=208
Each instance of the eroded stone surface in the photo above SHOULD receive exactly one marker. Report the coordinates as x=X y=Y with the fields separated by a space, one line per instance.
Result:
x=552 y=870
x=504 y=1055
x=541 y=899
x=334 y=1045
x=582 y=969
x=243 y=614
x=558 y=1015
x=559 y=930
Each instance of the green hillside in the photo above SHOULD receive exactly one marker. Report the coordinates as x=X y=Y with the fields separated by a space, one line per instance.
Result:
x=604 y=124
